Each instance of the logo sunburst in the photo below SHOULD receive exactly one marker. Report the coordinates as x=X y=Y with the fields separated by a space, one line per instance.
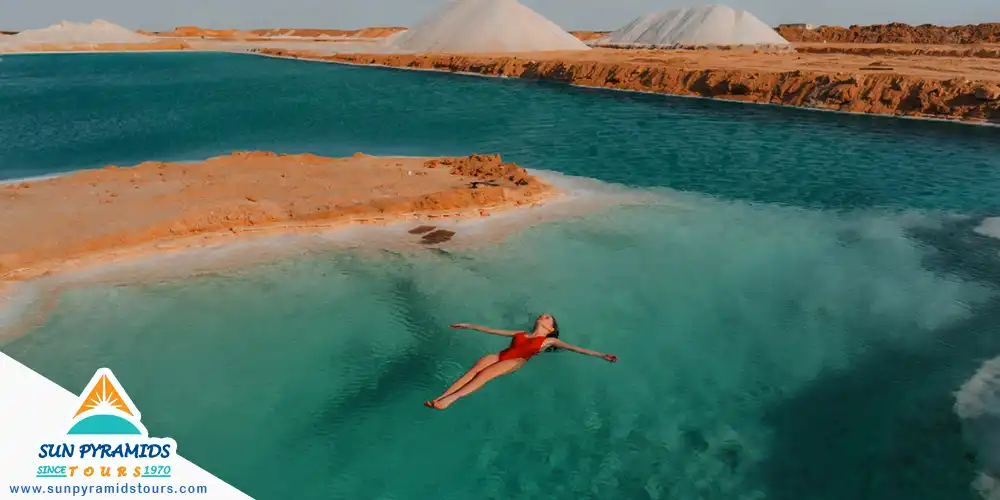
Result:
x=104 y=394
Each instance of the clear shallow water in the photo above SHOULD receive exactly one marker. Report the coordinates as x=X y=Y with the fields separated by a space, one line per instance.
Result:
x=792 y=328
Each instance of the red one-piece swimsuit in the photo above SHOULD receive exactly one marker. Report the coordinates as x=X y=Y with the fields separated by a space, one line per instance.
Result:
x=522 y=346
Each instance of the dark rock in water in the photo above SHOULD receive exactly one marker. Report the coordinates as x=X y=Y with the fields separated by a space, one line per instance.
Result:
x=695 y=440
x=420 y=229
x=732 y=455
x=439 y=236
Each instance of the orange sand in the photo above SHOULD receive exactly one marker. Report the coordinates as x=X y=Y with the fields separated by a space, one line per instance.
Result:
x=159 y=45
x=196 y=32
x=96 y=216
x=263 y=34
x=897 y=33
x=372 y=32
x=588 y=35
x=982 y=51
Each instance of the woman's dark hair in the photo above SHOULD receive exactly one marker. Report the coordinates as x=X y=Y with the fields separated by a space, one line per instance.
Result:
x=554 y=334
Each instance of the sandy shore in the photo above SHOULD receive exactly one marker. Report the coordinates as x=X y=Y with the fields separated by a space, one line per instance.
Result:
x=981 y=51
x=962 y=88
x=156 y=46
x=305 y=33
x=96 y=217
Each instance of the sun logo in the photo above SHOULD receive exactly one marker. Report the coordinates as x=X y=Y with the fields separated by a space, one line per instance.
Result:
x=105 y=408
x=104 y=395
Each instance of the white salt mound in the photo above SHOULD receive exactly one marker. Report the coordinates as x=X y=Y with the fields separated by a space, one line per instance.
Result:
x=484 y=26
x=65 y=32
x=709 y=25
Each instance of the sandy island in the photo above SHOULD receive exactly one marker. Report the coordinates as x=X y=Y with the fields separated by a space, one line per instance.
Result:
x=99 y=216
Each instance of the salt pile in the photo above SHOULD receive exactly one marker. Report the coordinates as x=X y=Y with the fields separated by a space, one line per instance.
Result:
x=65 y=32
x=709 y=25
x=485 y=26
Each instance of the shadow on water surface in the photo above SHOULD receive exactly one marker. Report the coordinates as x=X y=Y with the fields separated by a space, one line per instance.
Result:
x=420 y=361
x=962 y=251
x=885 y=428
x=395 y=374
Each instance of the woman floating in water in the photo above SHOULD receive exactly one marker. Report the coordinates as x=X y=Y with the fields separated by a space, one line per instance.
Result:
x=523 y=346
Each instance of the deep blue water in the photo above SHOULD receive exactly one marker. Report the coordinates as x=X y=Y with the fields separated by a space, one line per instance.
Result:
x=794 y=307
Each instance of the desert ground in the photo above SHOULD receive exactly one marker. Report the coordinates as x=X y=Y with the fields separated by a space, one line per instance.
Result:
x=94 y=216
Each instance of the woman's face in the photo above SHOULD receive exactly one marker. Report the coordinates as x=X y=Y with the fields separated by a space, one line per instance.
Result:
x=545 y=321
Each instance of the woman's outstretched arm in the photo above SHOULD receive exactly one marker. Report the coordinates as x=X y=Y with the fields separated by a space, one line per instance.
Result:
x=494 y=331
x=570 y=347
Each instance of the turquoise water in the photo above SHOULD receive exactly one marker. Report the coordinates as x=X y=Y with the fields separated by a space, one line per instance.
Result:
x=68 y=112
x=794 y=306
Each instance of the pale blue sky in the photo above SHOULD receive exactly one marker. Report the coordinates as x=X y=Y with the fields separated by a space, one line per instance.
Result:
x=570 y=14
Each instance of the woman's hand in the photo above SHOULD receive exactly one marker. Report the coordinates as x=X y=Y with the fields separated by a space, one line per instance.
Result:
x=461 y=326
x=611 y=358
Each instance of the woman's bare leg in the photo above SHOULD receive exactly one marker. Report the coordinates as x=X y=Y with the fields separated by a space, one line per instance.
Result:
x=489 y=373
x=480 y=365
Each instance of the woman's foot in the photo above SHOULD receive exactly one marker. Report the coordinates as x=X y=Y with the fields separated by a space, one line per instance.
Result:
x=432 y=404
x=444 y=402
